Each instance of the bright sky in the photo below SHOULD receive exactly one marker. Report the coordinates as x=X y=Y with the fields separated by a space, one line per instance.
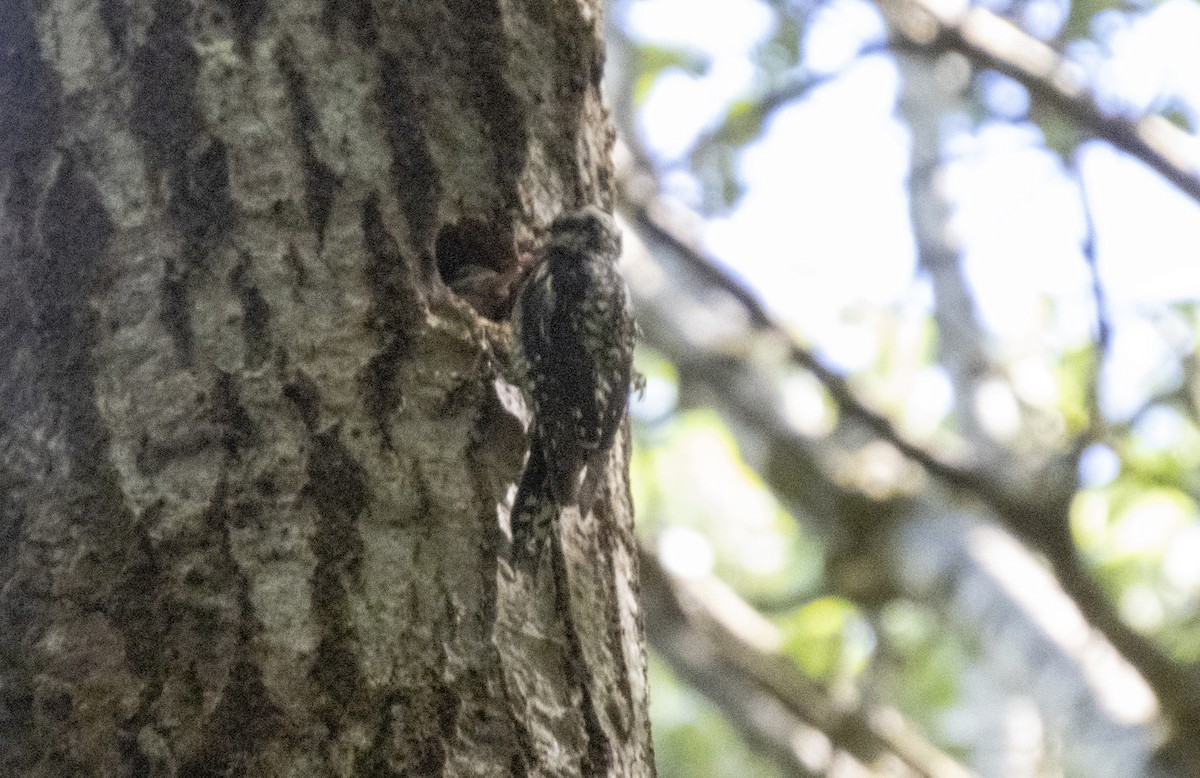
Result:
x=824 y=221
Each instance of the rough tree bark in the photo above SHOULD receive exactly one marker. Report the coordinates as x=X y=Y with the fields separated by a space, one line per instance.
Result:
x=254 y=448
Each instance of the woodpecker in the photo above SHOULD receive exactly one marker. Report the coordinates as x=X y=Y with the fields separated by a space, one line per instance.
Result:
x=573 y=351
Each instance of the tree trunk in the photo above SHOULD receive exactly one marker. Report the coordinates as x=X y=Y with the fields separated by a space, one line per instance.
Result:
x=255 y=452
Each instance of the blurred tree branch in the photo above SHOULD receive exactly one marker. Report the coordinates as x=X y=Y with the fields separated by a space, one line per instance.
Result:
x=736 y=127
x=718 y=339
x=989 y=41
x=766 y=695
x=1040 y=515
x=1025 y=511
x=924 y=103
x=1096 y=424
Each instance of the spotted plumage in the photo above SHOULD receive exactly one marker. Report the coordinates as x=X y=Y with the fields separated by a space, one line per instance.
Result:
x=574 y=338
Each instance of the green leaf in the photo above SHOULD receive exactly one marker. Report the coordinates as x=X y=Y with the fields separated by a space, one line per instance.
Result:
x=742 y=124
x=691 y=737
x=781 y=52
x=815 y=636
x=655 y=59
x=1074 y=372
x=1060 y=134
x=1079 y=21
x=1177 y=117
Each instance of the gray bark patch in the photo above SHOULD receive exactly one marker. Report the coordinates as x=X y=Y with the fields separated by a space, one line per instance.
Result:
x=359 y=14
x=319 y=178
x=396 y=310
x=256 y=315
x=337 y=486
x=115 y=15
x=486 y=49
x=414 y=173
x=245 y=16
x=244 y=719
x=29 y=93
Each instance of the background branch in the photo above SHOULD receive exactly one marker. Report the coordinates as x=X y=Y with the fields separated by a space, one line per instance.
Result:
x=765 y=694
x=801 y=480
x=991 y=42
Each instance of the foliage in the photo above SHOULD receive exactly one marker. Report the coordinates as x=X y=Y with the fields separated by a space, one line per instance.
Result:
x=694 y=741
x=1039 y=315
